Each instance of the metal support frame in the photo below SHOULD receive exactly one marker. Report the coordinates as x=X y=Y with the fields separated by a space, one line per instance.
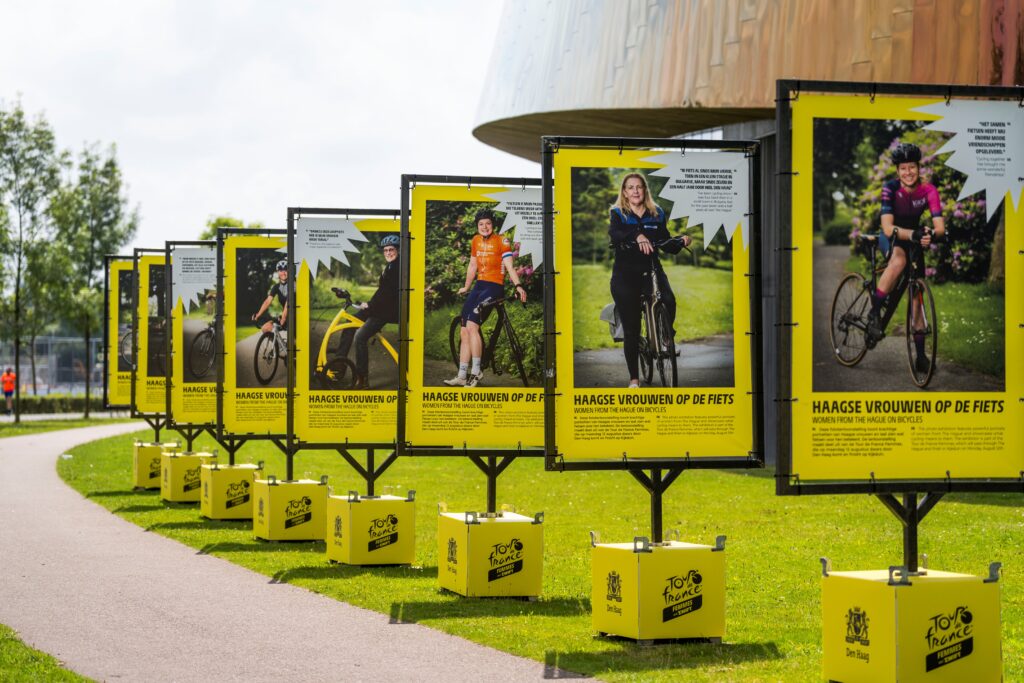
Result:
x=156 y=421
x=371 y=472
x=492 y=467
x=656 y=484
x=910 y=513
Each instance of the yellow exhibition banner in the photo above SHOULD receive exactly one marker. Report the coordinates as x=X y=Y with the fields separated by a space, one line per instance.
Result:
x=347 y=304
x=119 y=337
x=255 y=289
x=908 y=358
x=194 y=345
x=151 y=342
x=653 y=294
x=457 y=311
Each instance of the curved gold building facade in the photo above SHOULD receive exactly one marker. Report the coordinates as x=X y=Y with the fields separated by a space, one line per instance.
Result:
x=668 y=67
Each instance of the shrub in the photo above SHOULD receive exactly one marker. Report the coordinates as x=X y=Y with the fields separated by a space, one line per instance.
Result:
x=837 y=231
x=58 y=403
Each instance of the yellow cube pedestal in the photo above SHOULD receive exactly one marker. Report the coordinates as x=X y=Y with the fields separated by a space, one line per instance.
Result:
x=179 y=479
x=670 y=590
x=146 y=463
x=371 y=529
x=485 y=556
x=937 y=627
x=289 y=510
x=227 y=490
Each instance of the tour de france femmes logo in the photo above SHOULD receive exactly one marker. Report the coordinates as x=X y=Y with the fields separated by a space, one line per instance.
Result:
x=682 y=594
x=857 y=626
x=613 y=583
x=191 y=479
x=154 y=468
x=506 y=559
x=299 y=511
x=950 y=637
x=238 y=494
x=382 y=532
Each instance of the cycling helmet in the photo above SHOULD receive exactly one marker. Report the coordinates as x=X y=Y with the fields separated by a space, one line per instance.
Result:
x=484 y=214
x=389 y=241
x=282 y=265
x=906 y=153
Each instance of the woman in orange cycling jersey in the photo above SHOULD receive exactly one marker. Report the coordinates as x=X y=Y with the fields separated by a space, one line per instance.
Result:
x=490 y=255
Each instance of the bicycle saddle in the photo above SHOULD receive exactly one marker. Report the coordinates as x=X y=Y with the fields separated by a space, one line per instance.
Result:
x=341 y=293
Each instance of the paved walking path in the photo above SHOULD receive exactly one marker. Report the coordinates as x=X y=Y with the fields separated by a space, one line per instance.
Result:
x=112 y=601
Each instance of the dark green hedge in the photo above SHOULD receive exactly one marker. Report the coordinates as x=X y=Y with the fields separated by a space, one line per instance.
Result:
x=58 y=403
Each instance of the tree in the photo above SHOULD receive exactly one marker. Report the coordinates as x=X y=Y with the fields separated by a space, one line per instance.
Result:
x=93 y=220
x=30 y=166
x=44 y=291
x=216 y=222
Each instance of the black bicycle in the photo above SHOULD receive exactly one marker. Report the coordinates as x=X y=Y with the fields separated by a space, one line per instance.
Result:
x=490 y=336
x=657 y=346
x=851 y=306
x=203 y=351
x=271 y=348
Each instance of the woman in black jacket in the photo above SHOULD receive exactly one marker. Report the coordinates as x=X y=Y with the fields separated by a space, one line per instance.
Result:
x=381 y=309
x=636 y=226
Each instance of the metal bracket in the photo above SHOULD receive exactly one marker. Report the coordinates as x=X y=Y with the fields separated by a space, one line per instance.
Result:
x=719 y=544
x=826 y=566
x=904 y=575
x=323 y=480
x=994 y=572
x=538 y=518
x=472 y=518
x=595 y=538
x=442 y=507
x=271 y=480
x=642 y=544
x=411 y=495
x=353 y=496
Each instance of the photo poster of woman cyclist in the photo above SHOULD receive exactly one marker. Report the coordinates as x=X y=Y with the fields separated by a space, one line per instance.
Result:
x=150 y=373
x=652 y=303
x=473 y=254
x=346 y=322
x=255 y=285
x=192 y=397
x=907 y=288
x=118 y=341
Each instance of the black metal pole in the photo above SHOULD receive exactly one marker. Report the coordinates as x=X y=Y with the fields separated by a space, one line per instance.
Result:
x=910 y=532
x=371 y=472
x=656 y=491
x=492 y=484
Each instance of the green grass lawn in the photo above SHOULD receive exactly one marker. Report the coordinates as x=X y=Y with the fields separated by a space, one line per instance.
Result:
x=39 y=426
x=703 y=303
x=21 y=664
x=773 y=574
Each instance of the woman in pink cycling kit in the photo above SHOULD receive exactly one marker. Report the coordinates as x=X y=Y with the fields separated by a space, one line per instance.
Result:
x=904 y=199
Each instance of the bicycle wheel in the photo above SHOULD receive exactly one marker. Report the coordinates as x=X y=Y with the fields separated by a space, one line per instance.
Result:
x=517 y=352
x=125 y=348
x=850 y=307
x=201 y=353
x=264 y=361
x=339 y=373
x=667 y=370
x=921 y=320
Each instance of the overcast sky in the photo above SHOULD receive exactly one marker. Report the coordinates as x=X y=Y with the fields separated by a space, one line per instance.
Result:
x=246 y=108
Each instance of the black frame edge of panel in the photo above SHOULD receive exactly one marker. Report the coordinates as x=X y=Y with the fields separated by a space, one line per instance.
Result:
x=109 y=259
x=409 y=182
x=294 y=213
x=553 y=461
x=787 y=483
x=223 y=435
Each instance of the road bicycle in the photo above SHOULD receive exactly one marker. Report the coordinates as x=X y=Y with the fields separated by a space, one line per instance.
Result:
x=851 y=306
x=339 y=372
x=271 y=348
x=126 y=348
x=203 y=351
x=657 y=347
x=491 y=336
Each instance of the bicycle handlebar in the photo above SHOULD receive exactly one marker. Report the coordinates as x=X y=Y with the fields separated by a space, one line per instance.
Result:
x=633 y=244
